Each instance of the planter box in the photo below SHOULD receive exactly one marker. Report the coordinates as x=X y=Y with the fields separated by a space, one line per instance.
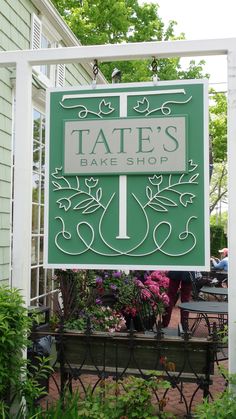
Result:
x=141 y=352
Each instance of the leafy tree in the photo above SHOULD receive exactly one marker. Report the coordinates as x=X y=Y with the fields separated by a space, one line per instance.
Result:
x=218 y=188
x=218 y=137
x=218 y=126
x=96 y=22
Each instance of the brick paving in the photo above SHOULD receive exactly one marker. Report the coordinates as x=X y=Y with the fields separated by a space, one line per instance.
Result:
x=174 y=403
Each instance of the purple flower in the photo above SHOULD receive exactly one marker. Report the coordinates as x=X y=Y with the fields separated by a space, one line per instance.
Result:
x=113 y=287
x=99 y=280
x=98 y=301
x=116 y=274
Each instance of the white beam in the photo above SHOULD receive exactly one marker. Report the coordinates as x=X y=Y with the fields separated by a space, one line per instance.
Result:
x=232 y=206
x=22 y=181
x=120 y=52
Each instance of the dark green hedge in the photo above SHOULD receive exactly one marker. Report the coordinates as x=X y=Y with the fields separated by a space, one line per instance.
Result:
x=218 y=239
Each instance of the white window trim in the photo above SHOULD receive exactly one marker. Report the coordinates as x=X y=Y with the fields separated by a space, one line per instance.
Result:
x=39 y=27
x=60 y=72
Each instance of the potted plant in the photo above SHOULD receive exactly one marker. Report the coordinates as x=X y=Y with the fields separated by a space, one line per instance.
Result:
x=111 y=299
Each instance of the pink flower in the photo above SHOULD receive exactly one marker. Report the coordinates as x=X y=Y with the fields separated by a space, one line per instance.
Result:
x=165 y=299
x=139 y=283
x=146 y=294
x=155 y=289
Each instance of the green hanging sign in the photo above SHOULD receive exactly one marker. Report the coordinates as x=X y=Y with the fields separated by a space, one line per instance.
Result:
x=127 y=177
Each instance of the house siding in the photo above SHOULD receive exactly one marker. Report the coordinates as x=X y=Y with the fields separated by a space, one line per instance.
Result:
x=15 y=34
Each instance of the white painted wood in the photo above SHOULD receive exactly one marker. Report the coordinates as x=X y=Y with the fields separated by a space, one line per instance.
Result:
x=123 y=182
x=120 y=52
x=232 y=206
x=122 y=208
x=22 y=211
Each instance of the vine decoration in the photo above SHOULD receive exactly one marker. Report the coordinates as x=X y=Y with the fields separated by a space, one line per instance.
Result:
x=87 y=199
x=104 y=109
x=143 y=106
x=161 y=193
x=160 y=198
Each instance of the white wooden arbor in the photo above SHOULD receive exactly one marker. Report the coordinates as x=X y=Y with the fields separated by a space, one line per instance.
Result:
x=24 y=60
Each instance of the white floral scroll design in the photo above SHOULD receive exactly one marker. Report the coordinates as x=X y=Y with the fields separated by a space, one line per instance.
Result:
x=143 y=106
x=104 y=109
x=85 y=198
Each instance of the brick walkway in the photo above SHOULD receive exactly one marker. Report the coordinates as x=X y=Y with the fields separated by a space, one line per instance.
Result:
x=174 y=404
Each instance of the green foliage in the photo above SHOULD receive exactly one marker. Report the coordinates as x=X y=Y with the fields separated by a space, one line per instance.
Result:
x=97 y=22
x=16 y=380
x=14 y=327
x=130 y=398
x=219 y=219
x=218 y=187
x=218 y=239
x=223 y=407
x=218 y=126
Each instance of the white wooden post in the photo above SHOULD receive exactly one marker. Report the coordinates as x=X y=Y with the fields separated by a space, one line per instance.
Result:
x=232 y=206
x=123 y=184
x=21 y=263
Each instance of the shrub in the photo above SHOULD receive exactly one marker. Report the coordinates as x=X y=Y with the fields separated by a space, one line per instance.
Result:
x=16 y=381
x=223 y=407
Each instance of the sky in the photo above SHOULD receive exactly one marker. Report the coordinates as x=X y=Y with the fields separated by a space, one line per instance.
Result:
x=203 y=19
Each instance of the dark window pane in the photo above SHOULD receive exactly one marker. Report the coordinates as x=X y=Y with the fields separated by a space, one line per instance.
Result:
x=34 y=251
x=33 y=282
x=41 y=250
x=35 y=219
x=41 y=219
x=42 y=286
x=43 y=129
x=36 y=155
x=35 y=188
x=42 y=188
x=43 y=159
x=37 y=124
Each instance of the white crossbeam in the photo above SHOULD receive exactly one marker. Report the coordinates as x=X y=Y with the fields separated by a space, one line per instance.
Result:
x=120 y=52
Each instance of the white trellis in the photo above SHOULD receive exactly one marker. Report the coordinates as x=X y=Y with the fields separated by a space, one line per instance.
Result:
x=24 y=60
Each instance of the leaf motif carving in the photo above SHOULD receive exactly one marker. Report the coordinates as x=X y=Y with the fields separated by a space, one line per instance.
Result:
x=157 y=207
x=56 y=184
x=193 y=178
x=166 y=201
x=149 y=192
x=99 y=194
x=91 y=209
x=83 y=204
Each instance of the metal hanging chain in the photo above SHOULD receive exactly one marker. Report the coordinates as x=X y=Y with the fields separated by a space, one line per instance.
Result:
x=95 y=69
x=95 y=73
x=154 y=66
